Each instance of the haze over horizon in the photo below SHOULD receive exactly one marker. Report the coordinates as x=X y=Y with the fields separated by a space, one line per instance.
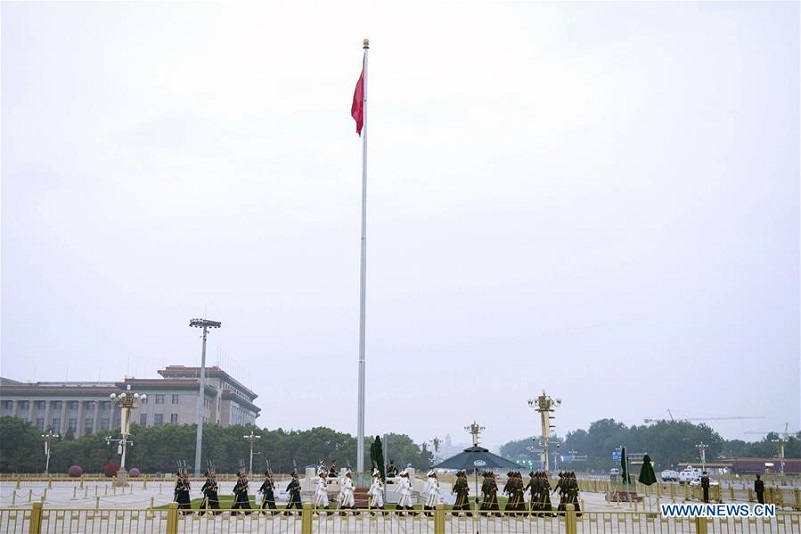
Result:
x=599 y=200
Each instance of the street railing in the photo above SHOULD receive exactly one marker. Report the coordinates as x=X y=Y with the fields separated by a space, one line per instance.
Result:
x=40 y=520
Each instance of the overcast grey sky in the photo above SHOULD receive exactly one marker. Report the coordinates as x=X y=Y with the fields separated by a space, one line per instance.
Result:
x=600 y=200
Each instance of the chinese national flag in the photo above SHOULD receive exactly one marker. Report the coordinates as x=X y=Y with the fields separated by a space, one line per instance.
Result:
x=357 y=109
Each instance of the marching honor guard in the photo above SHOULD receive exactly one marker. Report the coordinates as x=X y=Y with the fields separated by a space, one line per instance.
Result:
x=376 y=491
x=572 y=491
x=348 y=500
x=210 y=499
x=516 y=501
x=321 y=493
x=405 y=490
x=489 y=491
x=462 y=490
x=182 y=492
x=267 y=490
x=293 y=489
x=432 y=492
x=241 y=499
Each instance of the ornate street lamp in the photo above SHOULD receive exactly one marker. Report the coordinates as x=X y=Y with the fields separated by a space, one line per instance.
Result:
x=205 y=324
x=475 y=429
x=545 y=405
x=252 y=439
x=702 y=447
x=127 y=401
x=48 y=445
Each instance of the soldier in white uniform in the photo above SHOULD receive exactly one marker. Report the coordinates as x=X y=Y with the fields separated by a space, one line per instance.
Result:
x=321 y=493
x=431 y=491
x=405 y=490
x=376 y=491
x=348 y=500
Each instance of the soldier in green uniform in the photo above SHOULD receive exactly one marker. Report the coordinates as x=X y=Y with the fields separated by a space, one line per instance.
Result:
x=293 y=489
x=572 y=491
x=462 y=491
x=267 y=490
x=489 y=491
x=210 y=499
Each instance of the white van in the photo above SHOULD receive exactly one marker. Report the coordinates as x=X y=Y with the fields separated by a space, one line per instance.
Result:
x=688 y=474
x=669 y=475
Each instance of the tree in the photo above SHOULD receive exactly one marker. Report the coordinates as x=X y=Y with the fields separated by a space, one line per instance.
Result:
x=19 y=443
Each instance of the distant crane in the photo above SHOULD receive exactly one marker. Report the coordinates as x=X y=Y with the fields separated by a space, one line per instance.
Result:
x=782 y=439
x=690 y=419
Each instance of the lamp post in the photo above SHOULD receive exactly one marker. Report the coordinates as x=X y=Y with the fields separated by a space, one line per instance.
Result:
x=127 y=401
x=475 y=429
x=205 y=324
x=48 y=445
x=702 y=447
x=436 y=442
x=545 y=405
x=252 y=439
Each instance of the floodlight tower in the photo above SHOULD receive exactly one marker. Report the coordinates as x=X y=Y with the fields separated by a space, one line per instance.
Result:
x=545 y=405
x=205 y=324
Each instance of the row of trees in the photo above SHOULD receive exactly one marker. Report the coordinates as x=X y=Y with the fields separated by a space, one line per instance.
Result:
x=666 y=442
x=158 y=449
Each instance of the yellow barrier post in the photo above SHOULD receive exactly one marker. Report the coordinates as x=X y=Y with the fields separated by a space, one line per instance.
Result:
x=35 y=526
x=17 y=483
x=152 y=502
x=14 y=498
x=700 y=525
x=797 y=499
x=306 y=519
x=570 y=519
x=172 y=518
x=439 y=519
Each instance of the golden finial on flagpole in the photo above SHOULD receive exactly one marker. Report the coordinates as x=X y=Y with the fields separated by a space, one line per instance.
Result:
x=366 y=43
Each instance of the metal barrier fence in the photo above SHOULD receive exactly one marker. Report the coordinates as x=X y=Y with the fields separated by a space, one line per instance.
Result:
x=39 y=520
x=789 y=497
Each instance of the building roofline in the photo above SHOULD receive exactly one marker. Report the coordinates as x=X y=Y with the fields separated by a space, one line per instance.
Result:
x=211 y=372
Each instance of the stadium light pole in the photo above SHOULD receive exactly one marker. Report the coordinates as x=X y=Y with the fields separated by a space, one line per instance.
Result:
x=205 y=324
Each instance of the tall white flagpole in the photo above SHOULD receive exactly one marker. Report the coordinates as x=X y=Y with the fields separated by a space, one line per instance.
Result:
x=363 y=278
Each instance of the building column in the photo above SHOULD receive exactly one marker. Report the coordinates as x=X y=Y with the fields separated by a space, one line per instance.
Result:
x=64 y=422
x=79 y=429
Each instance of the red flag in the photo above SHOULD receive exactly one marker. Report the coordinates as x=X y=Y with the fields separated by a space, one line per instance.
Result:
x=357 y=109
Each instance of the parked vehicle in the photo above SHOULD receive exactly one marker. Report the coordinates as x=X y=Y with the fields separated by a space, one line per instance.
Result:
x=697 y=482
x=688 y=474
x=669 y=475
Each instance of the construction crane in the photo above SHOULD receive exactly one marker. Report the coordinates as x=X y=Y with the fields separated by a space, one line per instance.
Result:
x=691 y=419
x=780 y=441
